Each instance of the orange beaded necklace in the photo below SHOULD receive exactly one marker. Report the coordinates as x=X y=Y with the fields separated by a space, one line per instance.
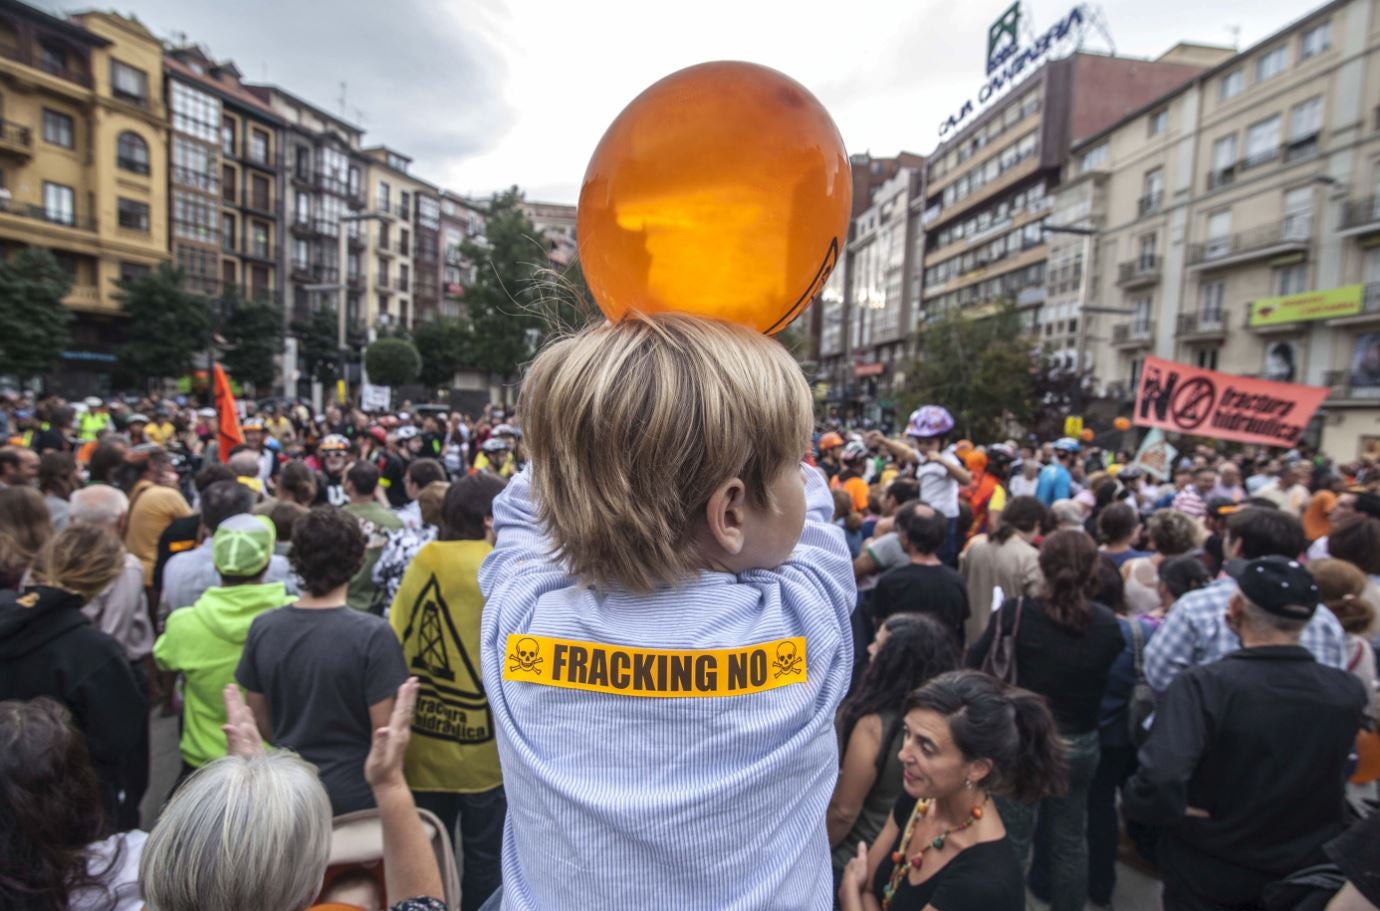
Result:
x=903 y=864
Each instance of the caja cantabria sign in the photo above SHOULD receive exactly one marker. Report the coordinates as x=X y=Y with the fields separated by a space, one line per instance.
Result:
x=1007 y=59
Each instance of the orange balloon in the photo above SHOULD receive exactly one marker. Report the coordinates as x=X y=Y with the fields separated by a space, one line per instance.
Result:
x=723 y=191
x=1122 y=423
x=1087 y=435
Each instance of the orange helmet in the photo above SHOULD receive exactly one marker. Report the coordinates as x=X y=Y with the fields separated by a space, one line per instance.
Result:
x=829 y=441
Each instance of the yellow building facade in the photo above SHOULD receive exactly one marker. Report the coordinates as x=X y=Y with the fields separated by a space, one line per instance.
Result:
x=83 y=145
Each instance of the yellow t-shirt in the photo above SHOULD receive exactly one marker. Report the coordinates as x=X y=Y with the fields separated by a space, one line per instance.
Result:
x=160 y=433
x=436 y=616
x=154 y=508
x=481 y=462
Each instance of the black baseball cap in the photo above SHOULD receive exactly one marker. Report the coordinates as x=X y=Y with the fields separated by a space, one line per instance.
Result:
x=1278 y=585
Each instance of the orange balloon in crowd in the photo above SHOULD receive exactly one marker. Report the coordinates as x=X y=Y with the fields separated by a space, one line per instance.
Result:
x=1086 y=435
x=723 y=191
x=1122 y=424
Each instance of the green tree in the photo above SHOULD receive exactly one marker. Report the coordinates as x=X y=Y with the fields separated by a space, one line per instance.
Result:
x=169 y=325
x=316 y=343
x=500 y=300
x=981 y=370
x=33 y=321
x=445 y=346
x=253 y=328
x=392 y=362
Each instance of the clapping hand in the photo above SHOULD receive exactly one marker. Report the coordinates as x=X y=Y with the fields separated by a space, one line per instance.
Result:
x=383 y=767
x=241 y=733
x=855 y=874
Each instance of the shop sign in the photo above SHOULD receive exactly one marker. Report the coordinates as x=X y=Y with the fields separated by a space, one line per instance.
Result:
x=1310 y=305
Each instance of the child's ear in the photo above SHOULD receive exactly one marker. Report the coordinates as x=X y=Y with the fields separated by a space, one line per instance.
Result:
x=726 y=515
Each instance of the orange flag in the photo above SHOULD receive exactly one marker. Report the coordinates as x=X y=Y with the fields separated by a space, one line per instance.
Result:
x=229 y=433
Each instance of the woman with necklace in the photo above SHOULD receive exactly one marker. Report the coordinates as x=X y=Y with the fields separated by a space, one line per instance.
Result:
x=966 y=737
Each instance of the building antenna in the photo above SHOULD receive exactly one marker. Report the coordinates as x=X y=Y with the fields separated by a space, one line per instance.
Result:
x=1096 y=20
x=344 y=111
x=1235 y=36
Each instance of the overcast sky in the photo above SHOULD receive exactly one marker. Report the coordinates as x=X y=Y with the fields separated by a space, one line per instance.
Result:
x=487 y=93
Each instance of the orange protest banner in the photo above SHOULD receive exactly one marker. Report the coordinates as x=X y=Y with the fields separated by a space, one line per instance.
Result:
x=228 y=432
x=1190 y=400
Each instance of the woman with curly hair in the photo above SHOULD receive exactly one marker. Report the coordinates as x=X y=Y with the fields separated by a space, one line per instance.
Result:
x=55 y=839
x=908 y=651
x=1172 y=534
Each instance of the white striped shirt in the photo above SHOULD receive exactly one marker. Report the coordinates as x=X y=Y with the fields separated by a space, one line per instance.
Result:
x=622 y=802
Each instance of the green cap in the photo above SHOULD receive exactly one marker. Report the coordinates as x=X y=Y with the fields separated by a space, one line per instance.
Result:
x=243 y=545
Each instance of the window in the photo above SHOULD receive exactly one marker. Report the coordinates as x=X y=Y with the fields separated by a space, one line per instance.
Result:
x=1140 y=316
x=301 y=254
x=405 y=204
x=132 y=272
x=1316 y=40
x=1262 y=142
x=1291 y=279
x=352 y=266
x=132 y=153
x=1159 y=122
x=258 y=146
x=1232 y=84
x=303 y=207
x=259 y=196
x=59 y=204
x=402 y=277
x=1218 y=234
x=227 y=136
x=195 y=113
x=52 y=59
x=383 y=272
x=402 y=242
x=228 y=183
x=227 y=273
x=258 y=243
x=384 y=196
x=1095 y=157
x=1154 y=191
x=128 y=83
x=1210 y=299
x=1223 y=161
x=1207 y=358
x=194 y=165
x=59 y=129
x=227 y=232
x=1271 y=63
x=195 y=218
x=354 y=182
x=1305 y=123
x=258 y=279
x=133 y=215
x=1298 y=213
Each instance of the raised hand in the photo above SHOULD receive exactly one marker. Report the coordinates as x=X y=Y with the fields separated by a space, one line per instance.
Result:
x=383 y=766
x=241 y=733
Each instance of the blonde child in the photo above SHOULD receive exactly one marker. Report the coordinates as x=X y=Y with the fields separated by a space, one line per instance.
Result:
x=666 y=637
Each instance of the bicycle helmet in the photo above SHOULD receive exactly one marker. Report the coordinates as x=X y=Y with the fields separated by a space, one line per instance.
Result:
x=854 y=451
x=406 y=433
x=505 y=430
x=829 y=441
x=1067 y=444
x=494 y=444
x=334 y=442
x=930 y=421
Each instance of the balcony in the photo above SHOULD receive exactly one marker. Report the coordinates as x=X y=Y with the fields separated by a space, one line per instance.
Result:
x=39 y=213
x=1137 y=334
x=261 y=252
x=260 y=205
x=402 y=283
x=356 y=240
x=1350 y=388
x=16 y=140
x=301 y=272
x=384 y=283
x=1139 y=273
x=128 y=97
x=386 y=249
x=402 y=248
x=355 y=281
x=303 y=177
x=1288 y=236
x=1150 y=203
x=403 y=212
x=1360 y=216
x=327 y=183
x=1203 y=325
x=1221 y=177
x=1370 y=310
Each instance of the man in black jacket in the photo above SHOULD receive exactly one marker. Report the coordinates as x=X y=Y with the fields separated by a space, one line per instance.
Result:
x=49 y=648
x=1245 y=766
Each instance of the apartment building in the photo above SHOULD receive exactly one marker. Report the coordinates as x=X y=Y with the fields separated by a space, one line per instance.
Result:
x=83 y=165
x=1238 y=224
x=859 y=328
x=390 y=265
x=462 y=220
x=324 y=195
x=227 y=182
x=989 y=189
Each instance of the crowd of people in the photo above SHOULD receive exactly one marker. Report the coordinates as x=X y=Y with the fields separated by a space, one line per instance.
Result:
x=970 y=671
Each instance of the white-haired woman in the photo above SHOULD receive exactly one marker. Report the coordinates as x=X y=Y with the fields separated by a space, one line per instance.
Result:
x=253 y=830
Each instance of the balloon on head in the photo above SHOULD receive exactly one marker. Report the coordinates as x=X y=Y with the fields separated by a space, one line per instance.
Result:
x=723 y=191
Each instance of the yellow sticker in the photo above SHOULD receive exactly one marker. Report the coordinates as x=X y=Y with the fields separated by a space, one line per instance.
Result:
x=665 y=673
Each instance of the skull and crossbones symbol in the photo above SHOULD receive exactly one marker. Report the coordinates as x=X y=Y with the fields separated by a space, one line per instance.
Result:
x=787 y=661
x=526 y=657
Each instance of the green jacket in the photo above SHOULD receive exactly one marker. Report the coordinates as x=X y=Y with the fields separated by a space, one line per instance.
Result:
x=376 y=521
x=204 y=642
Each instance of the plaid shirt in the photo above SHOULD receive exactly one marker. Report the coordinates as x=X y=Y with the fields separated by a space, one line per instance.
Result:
x=1196 y=632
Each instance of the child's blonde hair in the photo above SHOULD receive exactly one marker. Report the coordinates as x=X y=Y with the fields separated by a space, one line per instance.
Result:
x=633 y=425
